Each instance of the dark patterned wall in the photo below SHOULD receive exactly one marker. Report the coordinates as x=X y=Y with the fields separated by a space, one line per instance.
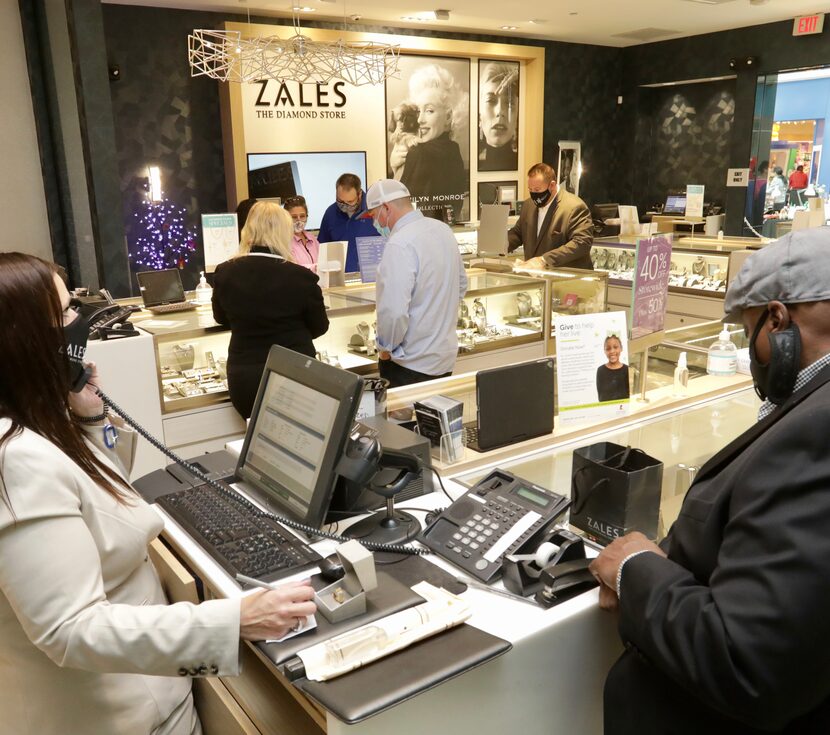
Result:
x=163 y=116
x=706 y=56
x=683 y=137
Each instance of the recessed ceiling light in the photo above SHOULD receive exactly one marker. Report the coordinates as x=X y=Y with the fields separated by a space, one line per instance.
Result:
x=537 y=21
x=510 y=28
x=303 y=9
x=573 y=13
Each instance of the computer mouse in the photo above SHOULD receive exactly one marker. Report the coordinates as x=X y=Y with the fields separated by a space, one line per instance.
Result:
x=331 y=568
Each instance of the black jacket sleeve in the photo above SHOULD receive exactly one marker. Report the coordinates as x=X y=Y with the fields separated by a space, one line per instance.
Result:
x=219 y=314
x=753 y=643
x=315 y=309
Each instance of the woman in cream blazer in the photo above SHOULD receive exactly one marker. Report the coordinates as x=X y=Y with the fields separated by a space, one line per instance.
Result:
x=88 y=643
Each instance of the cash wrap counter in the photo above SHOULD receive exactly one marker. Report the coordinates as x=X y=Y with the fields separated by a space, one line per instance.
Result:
x=550 y=680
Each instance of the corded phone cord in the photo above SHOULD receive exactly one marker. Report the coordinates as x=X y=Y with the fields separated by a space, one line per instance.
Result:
x=308 y=530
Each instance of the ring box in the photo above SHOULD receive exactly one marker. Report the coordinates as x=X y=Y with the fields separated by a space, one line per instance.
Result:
x=346 y=597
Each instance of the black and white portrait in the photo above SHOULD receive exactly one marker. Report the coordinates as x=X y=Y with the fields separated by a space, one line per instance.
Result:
x=428 y=139
x=498 y=115
x=569 y=165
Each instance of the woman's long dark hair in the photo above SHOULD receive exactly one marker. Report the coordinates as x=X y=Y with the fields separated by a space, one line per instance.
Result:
x=34 y=380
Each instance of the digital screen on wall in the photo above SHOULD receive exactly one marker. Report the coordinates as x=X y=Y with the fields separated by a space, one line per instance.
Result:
x=310 y=175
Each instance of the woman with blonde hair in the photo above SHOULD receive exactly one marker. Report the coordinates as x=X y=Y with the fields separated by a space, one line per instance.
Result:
x=434 y=169
x=498 y=116
x=266 y=299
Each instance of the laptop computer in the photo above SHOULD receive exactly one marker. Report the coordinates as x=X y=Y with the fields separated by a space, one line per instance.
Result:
x=515 y=402
x=675 y=204
x=162 y=291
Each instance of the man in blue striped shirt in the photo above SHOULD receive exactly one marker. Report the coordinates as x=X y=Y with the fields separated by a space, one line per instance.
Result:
x=420 y=281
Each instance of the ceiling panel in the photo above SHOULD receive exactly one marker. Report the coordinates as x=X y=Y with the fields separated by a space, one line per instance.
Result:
x=620 y=23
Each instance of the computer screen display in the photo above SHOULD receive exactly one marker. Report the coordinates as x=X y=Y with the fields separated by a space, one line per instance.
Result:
x=675 y=204
x=310 y=175
x=160 y=287
x=299 y=426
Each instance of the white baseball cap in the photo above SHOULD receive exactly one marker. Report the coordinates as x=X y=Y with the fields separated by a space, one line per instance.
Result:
x=383 y=191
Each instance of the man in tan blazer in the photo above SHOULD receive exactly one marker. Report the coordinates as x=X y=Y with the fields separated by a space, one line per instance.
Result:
x=554 y=227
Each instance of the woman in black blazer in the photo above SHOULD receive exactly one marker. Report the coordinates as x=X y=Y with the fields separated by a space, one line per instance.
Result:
x=266 y=299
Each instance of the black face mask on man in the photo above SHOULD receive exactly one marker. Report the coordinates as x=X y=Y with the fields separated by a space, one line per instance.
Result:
x=776 y=380
x=75 y=335
x=540 y=198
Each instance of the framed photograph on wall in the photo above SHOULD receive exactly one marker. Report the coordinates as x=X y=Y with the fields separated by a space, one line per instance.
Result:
x=498 y=192
x=428 y=134
x=570 y=165
x=498 y=115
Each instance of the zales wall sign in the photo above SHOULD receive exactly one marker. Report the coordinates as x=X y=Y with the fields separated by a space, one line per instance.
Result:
x=293 y=116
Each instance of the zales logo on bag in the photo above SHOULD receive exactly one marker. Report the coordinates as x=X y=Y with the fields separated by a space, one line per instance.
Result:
x=605 y=529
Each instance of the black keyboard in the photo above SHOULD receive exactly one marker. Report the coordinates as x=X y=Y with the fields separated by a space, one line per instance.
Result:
x=235 y=534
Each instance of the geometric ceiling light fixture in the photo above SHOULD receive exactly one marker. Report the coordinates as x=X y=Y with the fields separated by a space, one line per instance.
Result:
x=228 y=57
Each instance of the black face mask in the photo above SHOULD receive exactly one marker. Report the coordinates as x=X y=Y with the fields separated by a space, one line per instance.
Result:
x=540 y=198
x=76 y=334
x=776 y=379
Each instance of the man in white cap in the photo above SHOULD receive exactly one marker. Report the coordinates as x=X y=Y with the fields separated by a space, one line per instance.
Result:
x=420 y=281
x=726 y=623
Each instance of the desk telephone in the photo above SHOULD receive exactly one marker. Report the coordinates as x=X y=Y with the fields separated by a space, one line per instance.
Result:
x=492 y=519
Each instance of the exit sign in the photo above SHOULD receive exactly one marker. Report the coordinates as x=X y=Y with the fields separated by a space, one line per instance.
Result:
x=807 y=25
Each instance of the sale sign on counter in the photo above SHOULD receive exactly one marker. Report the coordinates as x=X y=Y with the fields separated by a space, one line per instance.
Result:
x=651 y=286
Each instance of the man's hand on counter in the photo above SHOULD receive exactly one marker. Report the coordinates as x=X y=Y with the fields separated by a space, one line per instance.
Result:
x=384 y=355
x=535 y=264
x=606 y=566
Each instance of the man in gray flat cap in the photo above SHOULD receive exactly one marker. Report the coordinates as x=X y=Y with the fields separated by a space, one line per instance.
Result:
x=727 y=622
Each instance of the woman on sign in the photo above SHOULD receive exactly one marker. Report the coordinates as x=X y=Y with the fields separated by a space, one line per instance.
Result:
x=90 y=643
x=434 y=170
x=498 y=116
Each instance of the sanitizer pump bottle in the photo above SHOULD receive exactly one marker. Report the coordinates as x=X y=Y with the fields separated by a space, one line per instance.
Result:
x=204 y=292
x=681 y=377
x=723 y=356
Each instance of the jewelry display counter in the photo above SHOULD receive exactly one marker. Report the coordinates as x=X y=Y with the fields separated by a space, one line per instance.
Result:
x=681 y=436
x=697 y=281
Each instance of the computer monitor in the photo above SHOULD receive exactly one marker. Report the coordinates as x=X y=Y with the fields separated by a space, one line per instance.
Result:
x=675 y=204
x=160 y=287
x=312 y=175
x=302 y=417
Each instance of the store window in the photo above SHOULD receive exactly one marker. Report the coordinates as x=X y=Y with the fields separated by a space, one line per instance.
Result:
x=787 y=166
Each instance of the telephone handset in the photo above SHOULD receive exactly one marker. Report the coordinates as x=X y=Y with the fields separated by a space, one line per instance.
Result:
x=492 y=519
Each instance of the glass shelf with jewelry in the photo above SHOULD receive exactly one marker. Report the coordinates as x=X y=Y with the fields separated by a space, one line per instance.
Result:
x=692 y=271
x=498 y=310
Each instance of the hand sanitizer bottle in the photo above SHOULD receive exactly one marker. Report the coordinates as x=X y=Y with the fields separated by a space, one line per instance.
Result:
x=681 y=377
x=204 y=292
x=723 y=356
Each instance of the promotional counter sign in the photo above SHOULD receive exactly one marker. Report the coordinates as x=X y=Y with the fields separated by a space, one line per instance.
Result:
x=369 y=253
x=651 y=286
x=694 y=200
x=220 y=235
x=592 y=378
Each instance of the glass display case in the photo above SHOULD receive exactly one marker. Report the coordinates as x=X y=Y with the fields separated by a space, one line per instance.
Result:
x=499 y=310
x=192 y=350
x=682 y=439
x=693 y=271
